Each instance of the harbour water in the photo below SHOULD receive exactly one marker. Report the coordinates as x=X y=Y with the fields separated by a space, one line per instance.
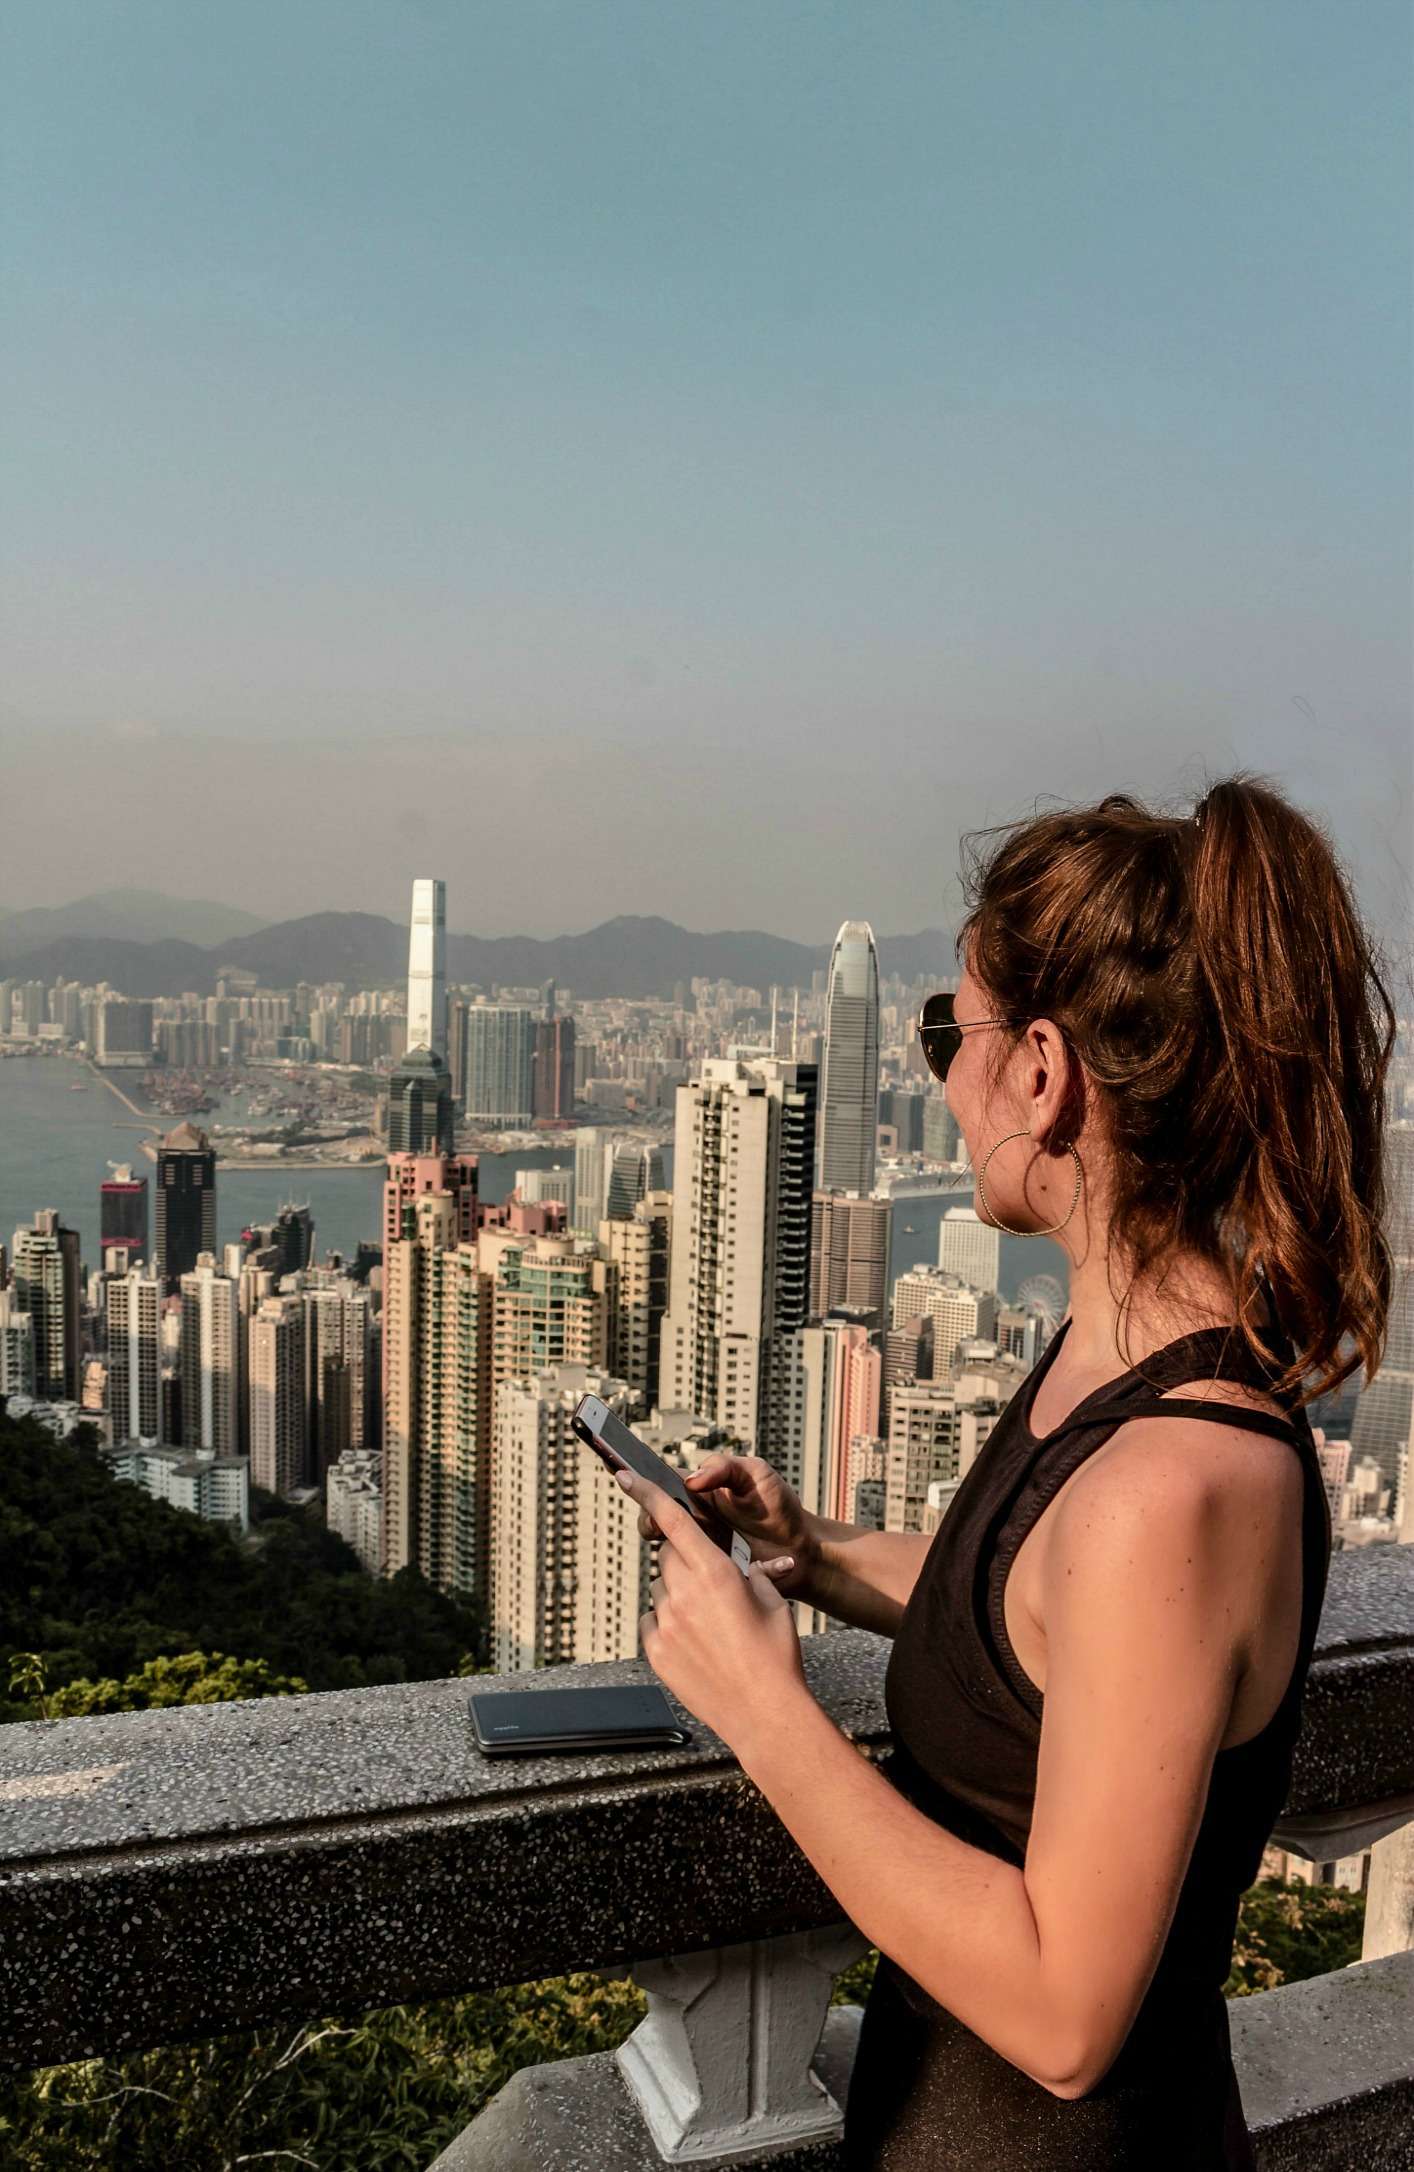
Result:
x=56 y=1145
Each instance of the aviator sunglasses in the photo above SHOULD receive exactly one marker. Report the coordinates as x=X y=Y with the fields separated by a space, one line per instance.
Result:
x=941 y=1033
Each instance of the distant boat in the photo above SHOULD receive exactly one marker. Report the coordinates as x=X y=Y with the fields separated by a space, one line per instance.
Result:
x=77 y=1089
x=909 y=1230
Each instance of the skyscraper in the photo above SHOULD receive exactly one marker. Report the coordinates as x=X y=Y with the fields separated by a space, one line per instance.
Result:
x=46 y=1286
x=427 y=967
x=134 y=1314
x=568 y=1568
x=278 y=1418
x=970 y=1247
x=736 y=1348
x=339 y=1359
x=500 y=1043
x=849 y=1095
x=849 y=1253
x=436 y=1331
x=210 y=1359
x=122 y=1212
x=420 y=1117
x=634 y=1172
x=637 y=1252
x=186 y=1202
x=552 y=1069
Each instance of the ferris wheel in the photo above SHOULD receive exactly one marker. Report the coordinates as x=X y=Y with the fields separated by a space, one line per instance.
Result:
x=1043 y=1294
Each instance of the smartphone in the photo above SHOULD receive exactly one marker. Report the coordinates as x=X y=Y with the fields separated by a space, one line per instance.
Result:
x=627 y=1715
x=603 y=1431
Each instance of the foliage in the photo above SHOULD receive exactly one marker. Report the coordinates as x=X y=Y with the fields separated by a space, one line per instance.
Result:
x=383 y=2090
x=189 y=1678
x=97 y=1579
x=392 y=2088
x=1287 y=1931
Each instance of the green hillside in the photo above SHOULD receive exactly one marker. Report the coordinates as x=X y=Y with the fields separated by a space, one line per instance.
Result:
x=98 y=1579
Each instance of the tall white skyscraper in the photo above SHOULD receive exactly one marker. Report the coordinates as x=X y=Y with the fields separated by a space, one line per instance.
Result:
x=970 y=1248
x=134 y=1314
x=849 y=1088
x=210 y=1359
x=427 y=967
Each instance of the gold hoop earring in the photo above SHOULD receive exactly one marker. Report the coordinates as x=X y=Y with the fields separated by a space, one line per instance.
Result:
x=1079 y=1171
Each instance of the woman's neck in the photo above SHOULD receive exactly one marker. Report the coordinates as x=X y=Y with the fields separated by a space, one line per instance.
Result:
x=1104 y=1338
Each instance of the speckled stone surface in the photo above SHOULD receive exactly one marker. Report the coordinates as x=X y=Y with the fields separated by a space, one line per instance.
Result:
x=171 y=1874
x=1326 y=2069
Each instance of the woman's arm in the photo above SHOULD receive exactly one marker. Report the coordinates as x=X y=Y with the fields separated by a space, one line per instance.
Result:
x=861 y=1577
x=1049 y=1963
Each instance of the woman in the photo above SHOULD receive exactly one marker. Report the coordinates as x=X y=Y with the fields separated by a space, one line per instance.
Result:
x=1167 y=1050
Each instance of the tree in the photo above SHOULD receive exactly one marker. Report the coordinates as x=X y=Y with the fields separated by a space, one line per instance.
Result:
x=189 y=1678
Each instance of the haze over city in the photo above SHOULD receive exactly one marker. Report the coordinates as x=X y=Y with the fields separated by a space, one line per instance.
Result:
x=742 y=448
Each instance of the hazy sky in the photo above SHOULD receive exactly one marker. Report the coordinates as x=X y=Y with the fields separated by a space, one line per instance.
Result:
x=692 y=459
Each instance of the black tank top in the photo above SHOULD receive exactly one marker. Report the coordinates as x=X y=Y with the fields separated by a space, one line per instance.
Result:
x=966 y=1724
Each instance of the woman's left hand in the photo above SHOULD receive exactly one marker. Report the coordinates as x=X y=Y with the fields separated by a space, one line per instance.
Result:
x=724 y=1644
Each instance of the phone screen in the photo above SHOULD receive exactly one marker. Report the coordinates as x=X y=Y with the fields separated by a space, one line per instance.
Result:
x=601 y=1428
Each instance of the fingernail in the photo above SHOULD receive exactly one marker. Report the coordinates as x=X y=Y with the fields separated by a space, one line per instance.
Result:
x=624 y=1480
x=782 y=1561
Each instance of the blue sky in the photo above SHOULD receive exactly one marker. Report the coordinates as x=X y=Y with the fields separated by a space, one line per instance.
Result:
x=698 y=460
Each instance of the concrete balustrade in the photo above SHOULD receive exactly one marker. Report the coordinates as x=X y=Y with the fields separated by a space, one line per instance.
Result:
x=168 y=1875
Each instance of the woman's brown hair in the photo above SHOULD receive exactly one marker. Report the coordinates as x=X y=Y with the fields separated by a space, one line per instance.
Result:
x=1216 y=981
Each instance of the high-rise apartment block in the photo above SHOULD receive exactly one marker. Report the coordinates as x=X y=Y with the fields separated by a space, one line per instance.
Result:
x=133 y=1305
x=279 y=1423
x=569 y=1572
x=552 y=1070
x=956 y=1309
x=854 y=1402
x=339 y=1344
x=849 y=1255
x=547 y=1301
x=16 y=1347
x=736 y=1347
x=45 y=1279
x=353 y=1505
x=436 y=1366
x=498 y=1065
x=210 y=1359
x=849 y=1088
x=124 y=1034
x=186 y=1201
x=936 y=1430
x=637 y=1252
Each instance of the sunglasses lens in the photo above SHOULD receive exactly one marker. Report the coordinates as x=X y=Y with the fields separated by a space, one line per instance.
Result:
x=939 y=1036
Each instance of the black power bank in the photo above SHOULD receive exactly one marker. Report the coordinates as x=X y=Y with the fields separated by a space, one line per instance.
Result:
x=622 y=1716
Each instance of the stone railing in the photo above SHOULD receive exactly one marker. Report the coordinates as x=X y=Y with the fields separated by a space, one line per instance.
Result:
x=169 y=1875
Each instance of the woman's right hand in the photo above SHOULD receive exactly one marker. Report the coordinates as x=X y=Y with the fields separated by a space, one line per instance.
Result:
x=755 y=1500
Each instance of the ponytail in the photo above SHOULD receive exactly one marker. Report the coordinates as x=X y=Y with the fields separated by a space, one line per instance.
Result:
x=1221 y=992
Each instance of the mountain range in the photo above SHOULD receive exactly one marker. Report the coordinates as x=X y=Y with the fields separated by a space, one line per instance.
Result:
x=147 y=945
